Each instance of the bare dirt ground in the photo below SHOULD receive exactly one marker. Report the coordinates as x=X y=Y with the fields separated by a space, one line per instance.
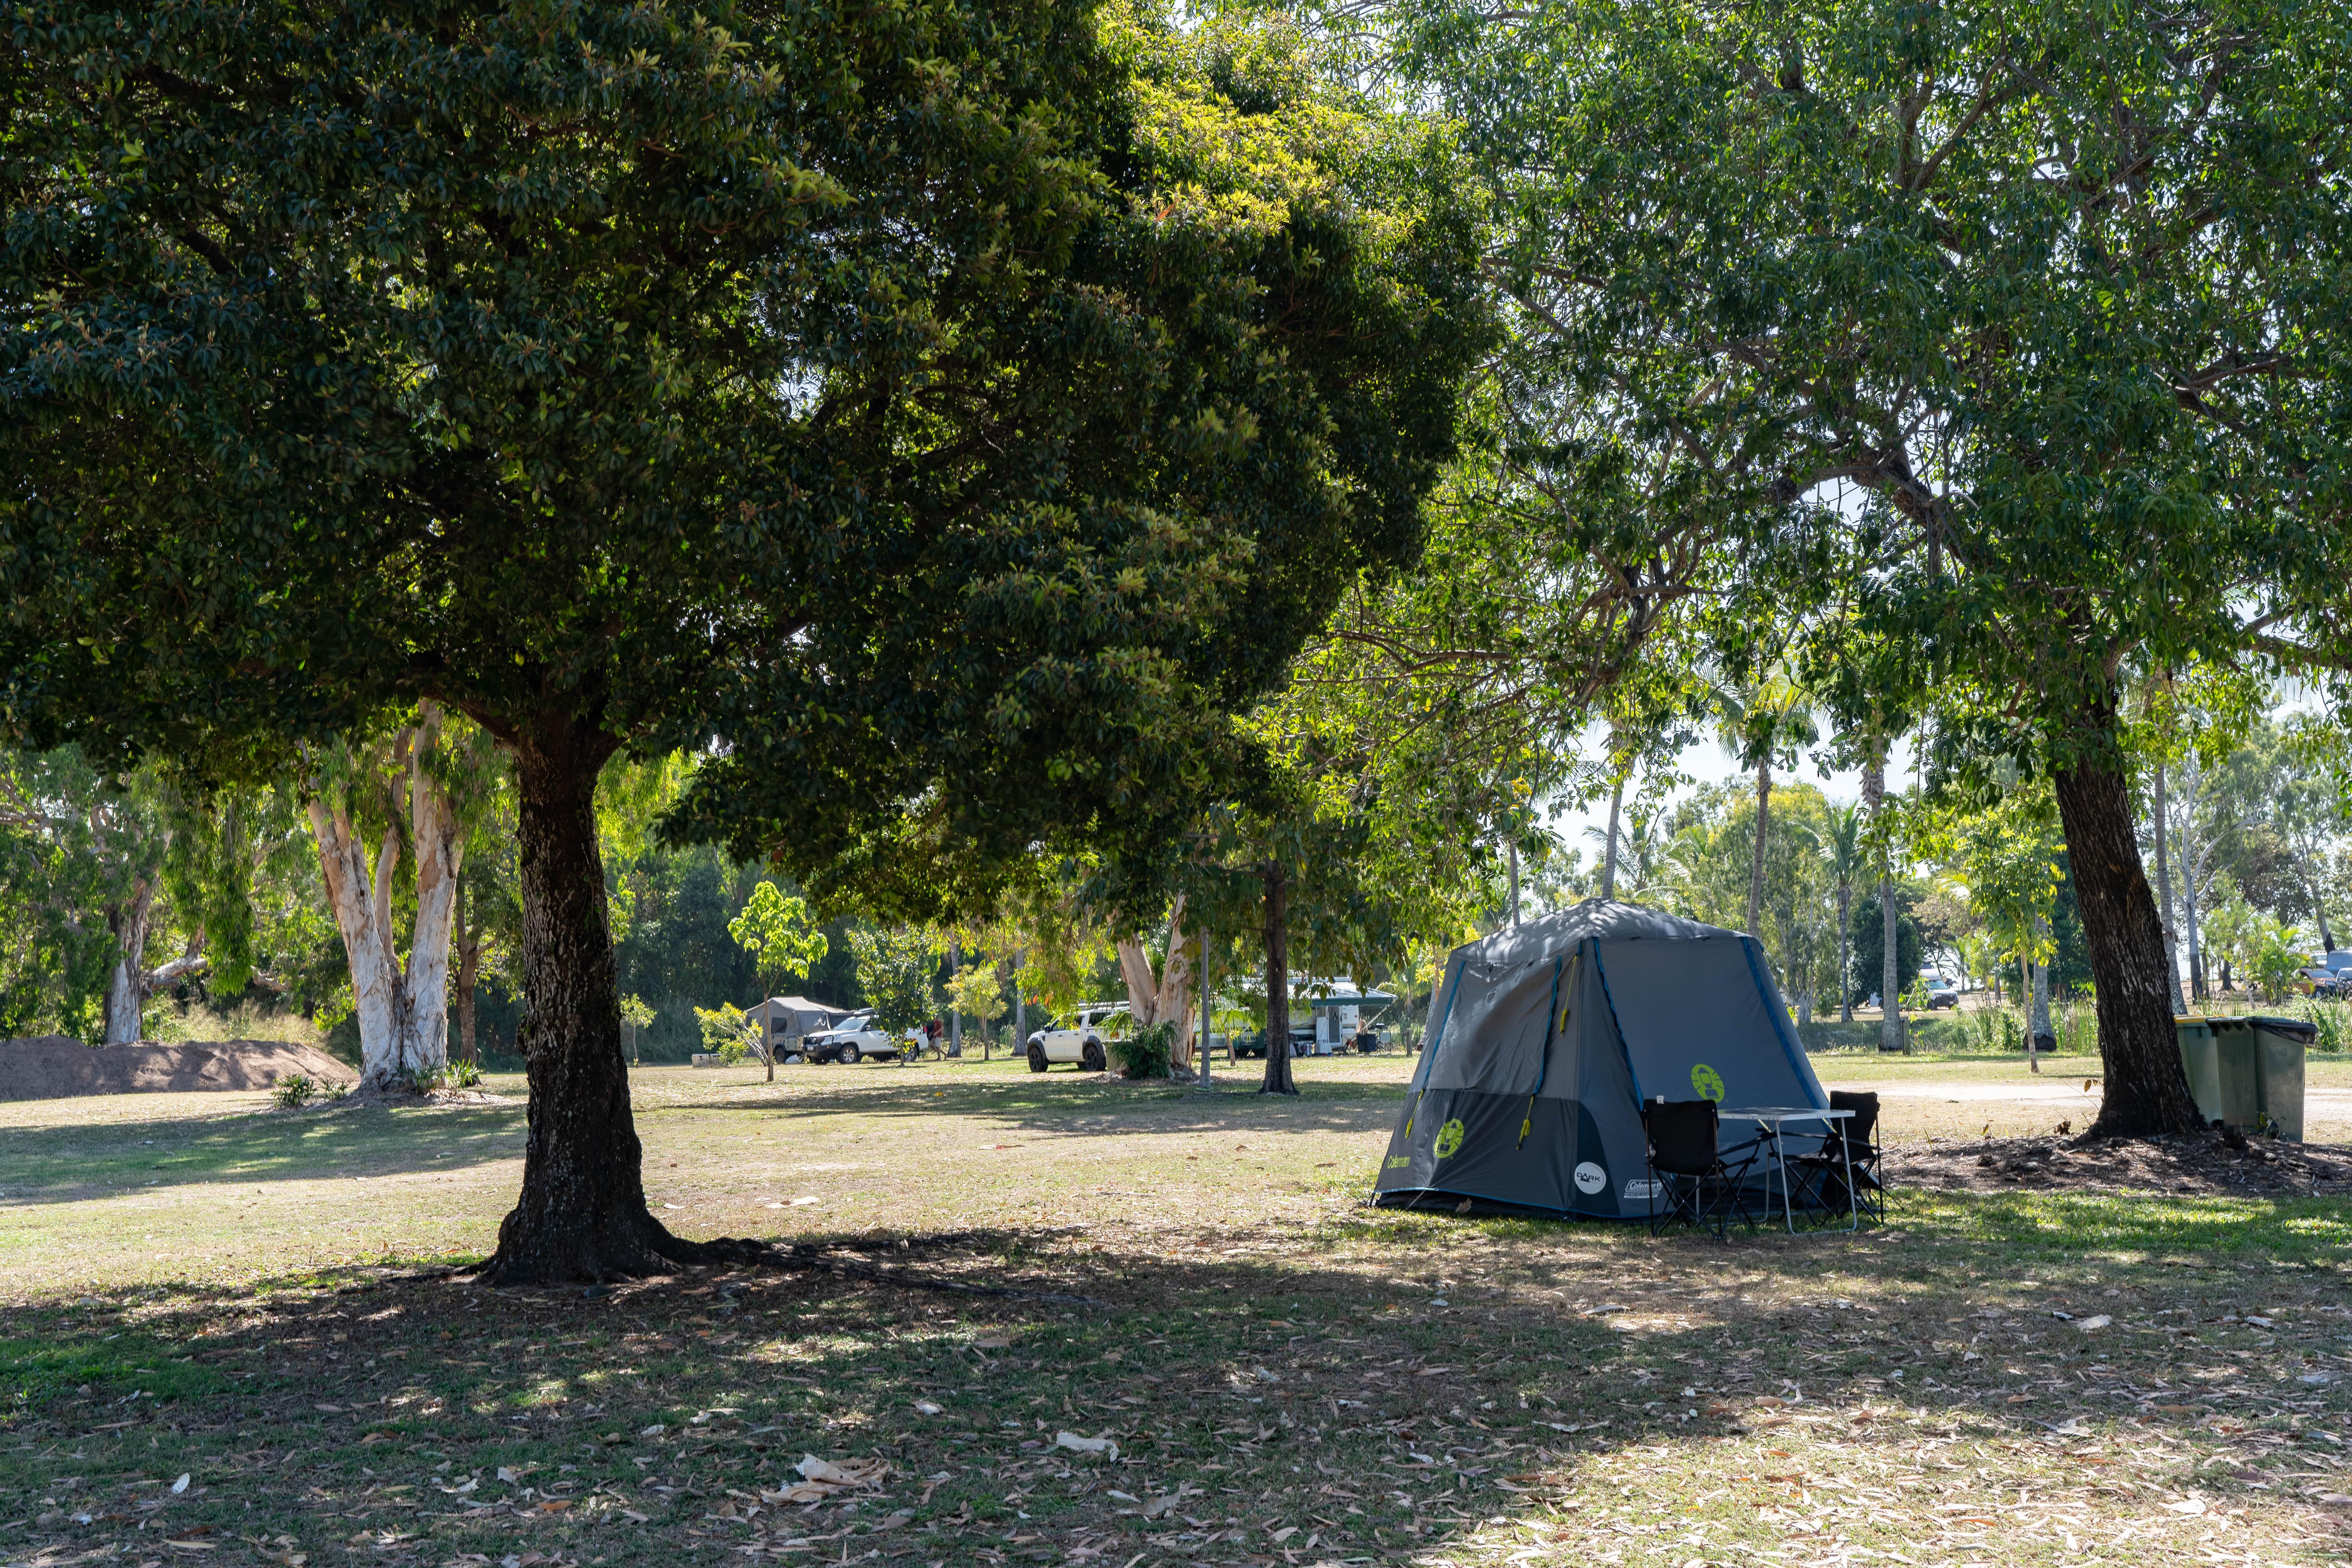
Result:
x=51 y=1067
x=2202 y=1165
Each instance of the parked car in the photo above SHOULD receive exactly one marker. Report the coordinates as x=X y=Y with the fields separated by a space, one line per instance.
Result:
x=1943 y=994
x=858 y=1039
x=1302 y=1042
x=1079 y=1040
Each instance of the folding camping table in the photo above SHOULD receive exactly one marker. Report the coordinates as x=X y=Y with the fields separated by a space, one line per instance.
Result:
x=1770 y=1118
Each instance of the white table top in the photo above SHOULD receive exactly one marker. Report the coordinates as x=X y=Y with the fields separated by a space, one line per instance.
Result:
x=1787 y=1113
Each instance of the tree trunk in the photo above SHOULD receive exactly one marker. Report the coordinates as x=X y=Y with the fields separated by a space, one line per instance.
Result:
x=1019 y=1003
x=125 y=1018
x=1609 y=855
x=1513 y=850
x=360 y=906
x=1756 y=873
x=1890 y=968
x=2164 y=893
x=1278 y=1079
x=2146 y=1090
x=469 y=970
x=2045 y=1038
x=955 y=1013
x=2195 y=938
x=424 y=1046
x=1166 y=997
x=1845 y=950
x=581 y=1214
x=404 y=1014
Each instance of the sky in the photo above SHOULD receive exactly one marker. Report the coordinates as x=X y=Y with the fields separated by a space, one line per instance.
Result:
x=1704 y=763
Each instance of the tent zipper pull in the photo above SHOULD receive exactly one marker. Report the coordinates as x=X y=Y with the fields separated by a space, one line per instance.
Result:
x=1529 y=1122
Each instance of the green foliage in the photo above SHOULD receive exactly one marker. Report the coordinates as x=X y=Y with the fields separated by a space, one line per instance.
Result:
x=726 y=1034
x=894 y=408
x=2010 y=866
x=141 y=867
x=293 y=1090
x=1145 y=1053
x=1721 y=215
x=2275 y=961
x=461 y=1074
x=894 y=965
x=1867 y=940
x=634 y=1012
x=775 y=927
x=978 y=992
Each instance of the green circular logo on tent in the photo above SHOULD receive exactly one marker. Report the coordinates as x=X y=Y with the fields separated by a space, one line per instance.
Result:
x=1707 y=1081
x=1449 y=1139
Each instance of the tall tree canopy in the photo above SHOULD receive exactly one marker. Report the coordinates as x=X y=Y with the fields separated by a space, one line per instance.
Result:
x=2004 y=342
x=895 y=398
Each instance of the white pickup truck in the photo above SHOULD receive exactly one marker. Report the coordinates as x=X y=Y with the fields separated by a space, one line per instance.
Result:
x=1080 y=1041
x=856 y=1039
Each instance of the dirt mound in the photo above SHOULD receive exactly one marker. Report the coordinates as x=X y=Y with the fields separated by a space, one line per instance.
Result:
x=51 y=1067
x=2202 y=1163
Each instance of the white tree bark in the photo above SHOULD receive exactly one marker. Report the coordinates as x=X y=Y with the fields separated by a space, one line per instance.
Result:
x=363 y=919
x=125 y=1001
x=440 y=851
x=402 y=1012
x=1167 y=997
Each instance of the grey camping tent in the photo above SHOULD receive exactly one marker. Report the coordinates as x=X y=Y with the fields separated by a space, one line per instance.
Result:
x=1547 y=1038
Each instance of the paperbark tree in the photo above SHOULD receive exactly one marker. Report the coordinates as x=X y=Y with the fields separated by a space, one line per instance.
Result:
x=1164 y=996
x=402 y=1009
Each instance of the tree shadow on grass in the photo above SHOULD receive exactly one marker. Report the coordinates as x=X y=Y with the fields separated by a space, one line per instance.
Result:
x=1385 y=1385
x=1073 y=1107
x=74 y=1163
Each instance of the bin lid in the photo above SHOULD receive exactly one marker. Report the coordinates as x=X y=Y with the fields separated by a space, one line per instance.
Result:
x=2301 y=1029
x=2193 y=1026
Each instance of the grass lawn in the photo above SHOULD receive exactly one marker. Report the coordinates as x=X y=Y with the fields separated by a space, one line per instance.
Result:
x=196 y=1287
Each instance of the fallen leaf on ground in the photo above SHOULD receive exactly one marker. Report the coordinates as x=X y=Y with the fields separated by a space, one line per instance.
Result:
x=1071 y=1440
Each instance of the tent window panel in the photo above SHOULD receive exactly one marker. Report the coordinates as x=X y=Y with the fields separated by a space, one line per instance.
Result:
x=1697 y=1026
x=1495 y=1038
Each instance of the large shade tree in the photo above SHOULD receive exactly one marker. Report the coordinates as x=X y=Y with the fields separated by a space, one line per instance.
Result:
x=859 y=392
x=2006 y=340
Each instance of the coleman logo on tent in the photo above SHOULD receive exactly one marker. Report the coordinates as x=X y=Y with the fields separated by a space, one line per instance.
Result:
x=1645 y=1188
x=1707 y=1081
x=1449 y=1139
x=1591 y=1178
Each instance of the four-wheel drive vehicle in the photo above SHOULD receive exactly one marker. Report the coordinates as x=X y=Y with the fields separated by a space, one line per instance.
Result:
x=858 y=1039
x=1943 y=994
x=1081 y=1040
x=1302 y=1042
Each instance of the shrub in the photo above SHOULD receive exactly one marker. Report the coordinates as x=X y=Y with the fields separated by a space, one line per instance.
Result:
x=462 y=1075
x=726 y=1035
x=1147 y=1052
x=294 y=1090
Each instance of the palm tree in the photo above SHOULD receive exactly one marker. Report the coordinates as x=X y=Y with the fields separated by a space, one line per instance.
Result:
x=1759 y=718
x=1844 y=843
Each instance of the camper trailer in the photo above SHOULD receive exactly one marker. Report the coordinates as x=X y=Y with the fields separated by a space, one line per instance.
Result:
x=785 y=1022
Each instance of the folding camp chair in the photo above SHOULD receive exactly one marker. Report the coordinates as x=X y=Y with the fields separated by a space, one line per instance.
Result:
x=1703 y=1182
x=1852 y=1147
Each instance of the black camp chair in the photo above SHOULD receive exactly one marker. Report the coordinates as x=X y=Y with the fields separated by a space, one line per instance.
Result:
x=1702 y=1183
x=1850 y=1144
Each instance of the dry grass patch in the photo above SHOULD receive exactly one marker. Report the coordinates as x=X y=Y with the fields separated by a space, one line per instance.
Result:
x=1287 y=1378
